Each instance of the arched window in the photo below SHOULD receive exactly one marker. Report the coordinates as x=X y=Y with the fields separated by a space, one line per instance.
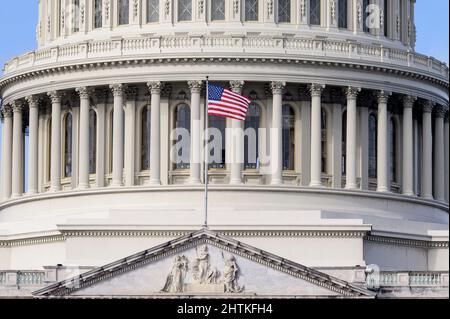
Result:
x=288 y=138
x=314 y=12
x=324 y=139
x=98 y=14
x=217 y=10
x=251 y=10
x=184 y=10
x=366 y=14
x=124 y=11
x=344 y=143
x=251 y=137
x=284 y=10
x=92 y=141
x=217 y=160
x=372 y=146
x=182 y=121
x=342 y=9
x=76 y=15
x=393 y=149
x=68 y=145
x=145 y=138
x=152 y=11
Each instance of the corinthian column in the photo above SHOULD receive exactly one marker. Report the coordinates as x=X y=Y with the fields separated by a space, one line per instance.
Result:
x=352 y=93
x=7 y=151
x=439 y=181
x=382 y=147
x=117 y=179
x=316 y=135
x=446 y=157
x=33 y=144
x=195 y=158
x=276 y=145
x=408 y=150
x=17 y=156
x=155 y=138
x=237 y=142
x=83 y=170
x=427 y=147
x=55 y=165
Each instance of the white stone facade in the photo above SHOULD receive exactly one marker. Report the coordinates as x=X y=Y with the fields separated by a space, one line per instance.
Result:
x=352 y=155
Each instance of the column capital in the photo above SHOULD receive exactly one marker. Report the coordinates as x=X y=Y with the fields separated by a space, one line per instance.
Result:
x=84 y=92
x=17 y=106
x=277 y=87
x=7 y=111
x=383 y=96
x=352 y=92
x=316 y=89
x=195 y=86
x=440 y=111
x=408 y=101
x=428 y=106
x=33 y=101
x=55 y=96
x=117 y=89
x=155 y=87
x=237 y=86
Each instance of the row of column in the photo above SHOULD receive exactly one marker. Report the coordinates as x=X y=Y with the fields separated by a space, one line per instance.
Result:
x=13 y=142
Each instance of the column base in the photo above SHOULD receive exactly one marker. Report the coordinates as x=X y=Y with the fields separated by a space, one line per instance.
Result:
x=236 y=182
x=116 y=184
x=428 y=197
x=351 y=186
x=83 y=186
x=409 y=193
x=315 y=184
x=32 y=192
x=383 y=190
x=276 y=182
x=54 y=189
x=14 y=196
x=154 y=182
x=195 y=181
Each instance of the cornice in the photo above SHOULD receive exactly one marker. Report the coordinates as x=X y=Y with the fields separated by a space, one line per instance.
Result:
x=406 y=242
x=13 y=78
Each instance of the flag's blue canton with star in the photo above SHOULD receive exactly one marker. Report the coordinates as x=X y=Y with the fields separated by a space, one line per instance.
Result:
x=226 y=103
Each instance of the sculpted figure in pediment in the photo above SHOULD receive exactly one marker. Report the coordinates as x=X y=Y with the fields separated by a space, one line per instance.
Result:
x=202 y=272
x=175 y=279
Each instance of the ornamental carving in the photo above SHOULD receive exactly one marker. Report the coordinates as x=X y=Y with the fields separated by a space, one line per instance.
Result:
x=106 y=5
x=333 y=10
x=277 y=87
x=7 y=111
x=428 y=106
x=55 y=96
x=408 y=101
x=82 y=12
x=381 y=19
x=155 y=87
x=269 y=8
x=135 y=9
x=83 y=92
x=117 y=89
x=383 y=97
x=235 y=8
x=237 y=86
x=49 y=24
x=32 y=100
x=440 y=111
x=359 y=14
x=195 y=86
x=167 y=8
x=352 y=92
x=398 y=24
x=63 y=19
x=201 y=7
x=316 y=89
x=302 y=8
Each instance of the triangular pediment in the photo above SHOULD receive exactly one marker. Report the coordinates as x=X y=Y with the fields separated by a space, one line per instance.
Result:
x=203 y=263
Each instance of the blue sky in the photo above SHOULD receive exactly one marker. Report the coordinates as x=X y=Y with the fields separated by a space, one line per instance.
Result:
x=18 y=19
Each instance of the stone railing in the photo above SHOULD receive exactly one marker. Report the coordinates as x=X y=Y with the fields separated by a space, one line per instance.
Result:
x=22 y=278
x=407 y=279
x=192 y=46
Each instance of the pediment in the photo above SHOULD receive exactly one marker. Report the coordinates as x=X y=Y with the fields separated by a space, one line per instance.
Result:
x=203 y=263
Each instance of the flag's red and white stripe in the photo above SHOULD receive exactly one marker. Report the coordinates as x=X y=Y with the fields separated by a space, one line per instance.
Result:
x=230 y=105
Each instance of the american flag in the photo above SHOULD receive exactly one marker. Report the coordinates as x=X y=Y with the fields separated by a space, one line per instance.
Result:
x=225 y=103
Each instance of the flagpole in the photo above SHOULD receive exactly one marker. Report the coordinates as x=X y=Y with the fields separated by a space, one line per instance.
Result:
x=206 y=151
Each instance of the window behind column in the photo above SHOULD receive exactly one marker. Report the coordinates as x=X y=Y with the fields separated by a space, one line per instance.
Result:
x=284 y=10
x=366 y=14
x=76 y=15
x=385 y=17
x=152 y=11
x=49 y=149
x=145 y=138
x=67 y=145
x=372 y=146
x=393 y=149
x=344 y=144
x=182 y=123
x=217 y=10
x=314 y=12
x=324 y=140
x=184 y=10
x=288 y=138
x=92 y=141
x=98 y=14
x=343 y=14
x=251 y=10
x=124 y=11
x=217 y=160
x=251 y=137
